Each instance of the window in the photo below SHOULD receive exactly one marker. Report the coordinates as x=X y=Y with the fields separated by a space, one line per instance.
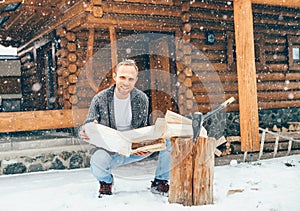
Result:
x=294 y=52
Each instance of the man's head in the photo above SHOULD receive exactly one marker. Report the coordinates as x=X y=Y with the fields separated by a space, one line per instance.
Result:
x=125 y=76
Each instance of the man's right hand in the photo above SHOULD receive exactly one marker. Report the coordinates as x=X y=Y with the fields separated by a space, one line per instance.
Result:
x=84 y=135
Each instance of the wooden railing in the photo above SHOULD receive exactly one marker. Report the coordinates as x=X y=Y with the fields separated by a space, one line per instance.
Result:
x=41 y=120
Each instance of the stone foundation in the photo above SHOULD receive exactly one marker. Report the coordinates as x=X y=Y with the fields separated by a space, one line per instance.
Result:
x=46 y=161
x=228 y=123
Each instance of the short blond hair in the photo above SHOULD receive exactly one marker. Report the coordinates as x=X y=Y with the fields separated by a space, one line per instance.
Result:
x=127 y=62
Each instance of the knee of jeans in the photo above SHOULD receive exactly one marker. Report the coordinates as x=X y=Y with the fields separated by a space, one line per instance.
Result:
x=101 y=159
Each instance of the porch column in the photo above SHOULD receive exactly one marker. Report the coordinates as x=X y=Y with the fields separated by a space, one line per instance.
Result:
x=246 y=72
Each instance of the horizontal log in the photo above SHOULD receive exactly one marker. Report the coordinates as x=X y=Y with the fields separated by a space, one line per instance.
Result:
x=71 y=37
x=279 y=104
x=140 y=9
x=233 y=86
x=62 y=62
x=72 y=89
x=72 y=57
x=278 y=76
x=71 y=47
x=72 y=68
x=62 y=52
x=205 y=66
x=72 y=78
x=25 y=58
x=60 y=71
x=28 y=73
x=61 y=32
x=28 y=65
x=63 y=42
x=35 y=120
x=277 y=96
x=73 y=99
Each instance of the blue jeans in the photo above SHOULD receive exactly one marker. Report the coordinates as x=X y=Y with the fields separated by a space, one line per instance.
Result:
x=103 y=161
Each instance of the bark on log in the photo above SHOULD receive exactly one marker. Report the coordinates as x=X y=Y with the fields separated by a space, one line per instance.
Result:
x=192 y=171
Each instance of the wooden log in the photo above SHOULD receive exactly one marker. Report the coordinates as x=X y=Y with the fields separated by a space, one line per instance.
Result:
x=72 y=57
x=243 y=23
x=192 y=171
x=71 y=36
x=72 y=68
x=60 y=81
x=73 y=99
x=72 y=78
x=72 y=89
x=67 y=104
x=28 y=65
x=62 y=62
x=25 y=58
x=71 y=47
x=60 y=71
x=61 y=32
x=63 y=42
x=97 y=11
x=62 y=52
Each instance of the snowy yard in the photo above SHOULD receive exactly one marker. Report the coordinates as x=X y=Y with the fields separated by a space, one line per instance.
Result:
x=264 y=185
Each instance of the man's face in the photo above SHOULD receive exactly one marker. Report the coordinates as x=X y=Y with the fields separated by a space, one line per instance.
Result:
x=125 y=79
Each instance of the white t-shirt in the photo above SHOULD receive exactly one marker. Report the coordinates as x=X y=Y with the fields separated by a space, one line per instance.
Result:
x=123 y=114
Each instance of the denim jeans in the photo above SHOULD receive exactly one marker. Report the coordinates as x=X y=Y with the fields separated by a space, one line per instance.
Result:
x=103 y=161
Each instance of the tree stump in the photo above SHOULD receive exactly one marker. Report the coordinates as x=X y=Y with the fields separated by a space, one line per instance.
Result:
x=192 y=171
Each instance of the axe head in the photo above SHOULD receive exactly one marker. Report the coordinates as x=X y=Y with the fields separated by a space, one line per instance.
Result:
x=197 y=121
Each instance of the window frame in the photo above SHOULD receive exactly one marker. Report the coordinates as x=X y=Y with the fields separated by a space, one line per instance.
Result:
x=293 y=42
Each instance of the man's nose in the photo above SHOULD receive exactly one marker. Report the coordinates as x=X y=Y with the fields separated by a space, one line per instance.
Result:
x=126 y=82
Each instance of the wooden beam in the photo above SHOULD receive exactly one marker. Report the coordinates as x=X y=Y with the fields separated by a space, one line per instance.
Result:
x=113 y=46
x=41 y=120
x=283 y=3
x=243 y=24
x=77 y=9
x=10 y=1
x=89 y=59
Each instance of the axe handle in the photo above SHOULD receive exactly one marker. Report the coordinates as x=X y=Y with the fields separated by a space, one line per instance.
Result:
x=220 y=107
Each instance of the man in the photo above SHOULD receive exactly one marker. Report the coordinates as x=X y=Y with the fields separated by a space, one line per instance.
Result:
x=123 y=107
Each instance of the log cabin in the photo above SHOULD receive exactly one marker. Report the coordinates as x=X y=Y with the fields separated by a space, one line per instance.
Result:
x=192 y=56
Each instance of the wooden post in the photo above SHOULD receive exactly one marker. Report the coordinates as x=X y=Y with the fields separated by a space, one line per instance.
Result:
x=247 y=88
x=89 y=59
x=192 y=171
x=113 y=45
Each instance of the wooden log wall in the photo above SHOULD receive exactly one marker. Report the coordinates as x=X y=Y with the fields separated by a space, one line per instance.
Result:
x=29 y=80
x=278 y=84
x=274 y=27
x=186 y=102
x=70 y=61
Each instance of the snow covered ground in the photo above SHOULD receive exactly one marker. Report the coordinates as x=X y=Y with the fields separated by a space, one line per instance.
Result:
x=265 y=185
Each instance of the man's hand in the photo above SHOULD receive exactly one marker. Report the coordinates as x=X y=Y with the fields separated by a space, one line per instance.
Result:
x=83 y=133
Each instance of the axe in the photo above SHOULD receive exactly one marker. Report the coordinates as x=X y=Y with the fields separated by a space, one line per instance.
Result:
x=198 y=118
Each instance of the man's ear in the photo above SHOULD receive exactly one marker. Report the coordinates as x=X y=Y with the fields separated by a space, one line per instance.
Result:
x=114 y=76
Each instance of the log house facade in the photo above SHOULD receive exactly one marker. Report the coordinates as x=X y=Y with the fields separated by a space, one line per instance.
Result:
x=68 y=61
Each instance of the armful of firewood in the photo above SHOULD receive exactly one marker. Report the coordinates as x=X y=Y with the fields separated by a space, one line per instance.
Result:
x=149 y=146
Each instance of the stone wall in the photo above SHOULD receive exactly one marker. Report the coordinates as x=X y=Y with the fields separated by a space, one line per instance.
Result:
x=46 y=161
x=228 y=123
